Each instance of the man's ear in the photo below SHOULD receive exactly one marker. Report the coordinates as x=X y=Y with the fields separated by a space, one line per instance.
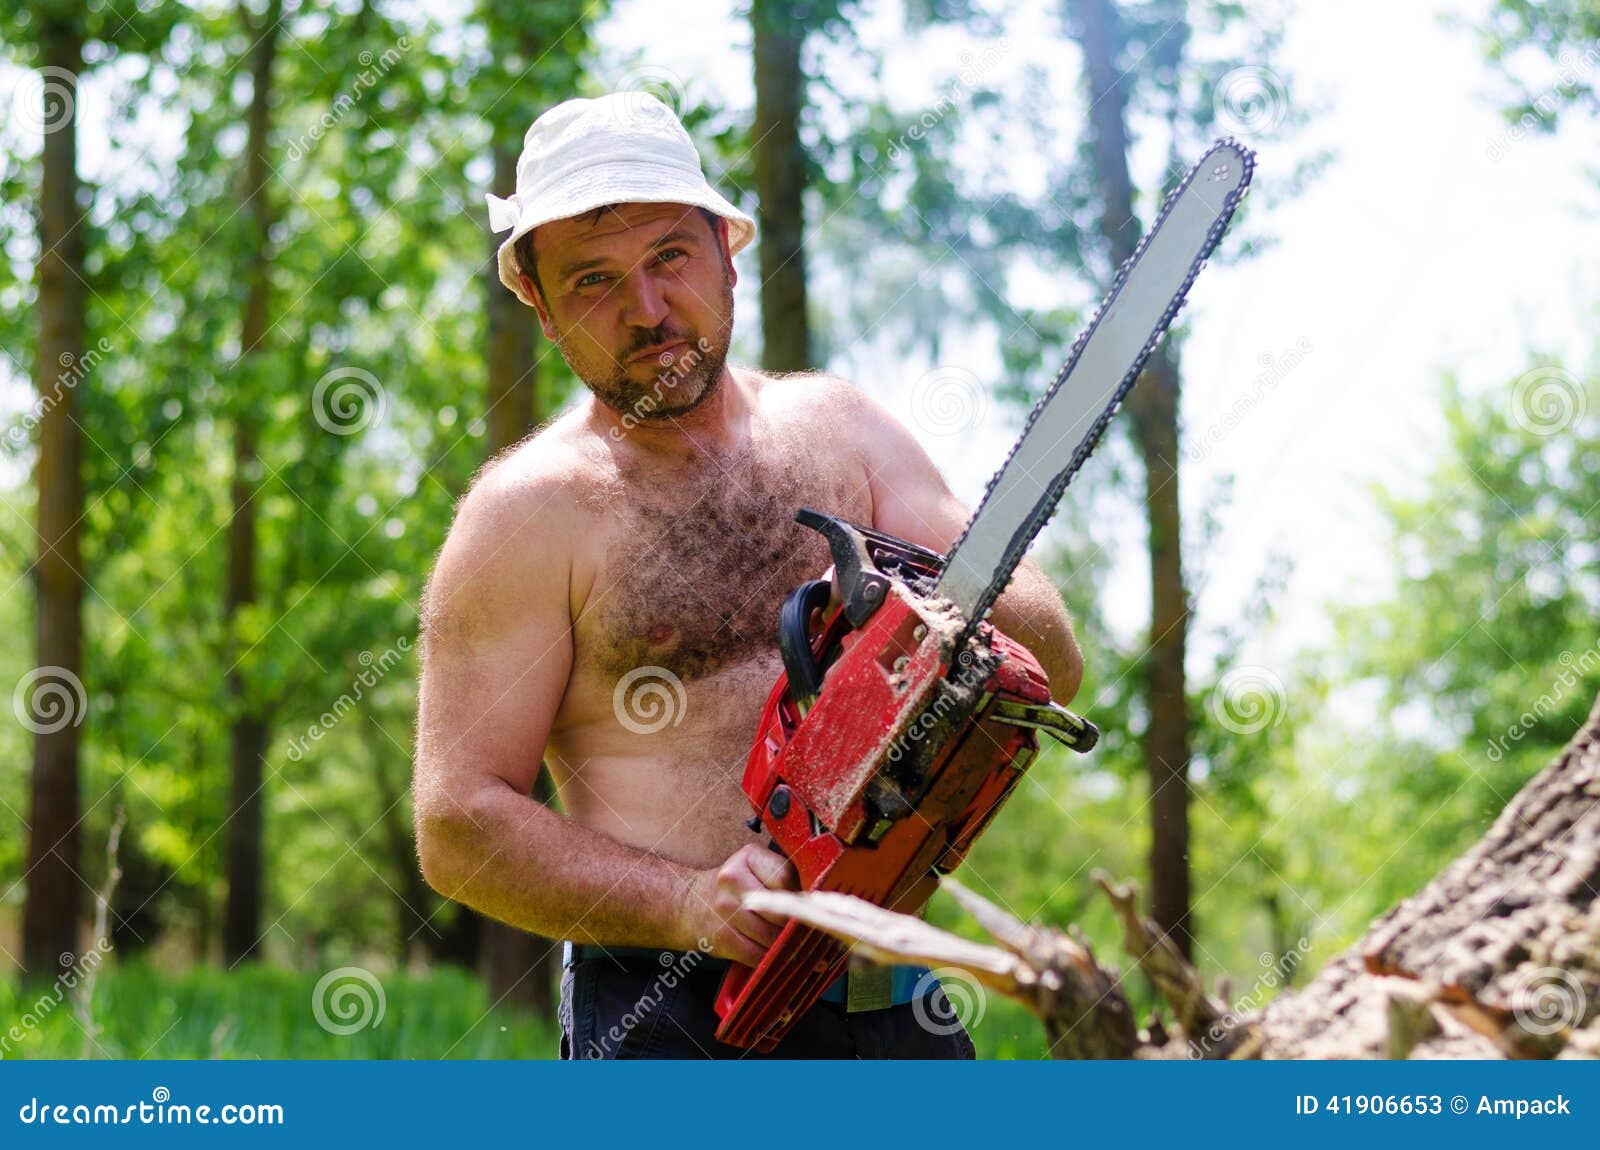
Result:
x=724 y=244
x=538 y=304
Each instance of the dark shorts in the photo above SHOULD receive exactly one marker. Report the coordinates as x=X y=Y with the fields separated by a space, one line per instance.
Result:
x=638 y=1007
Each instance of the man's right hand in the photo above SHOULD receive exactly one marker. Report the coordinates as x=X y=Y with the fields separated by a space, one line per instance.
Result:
x=713 y=910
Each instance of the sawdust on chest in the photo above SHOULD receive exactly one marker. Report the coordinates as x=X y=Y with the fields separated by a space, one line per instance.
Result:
x=697 y=563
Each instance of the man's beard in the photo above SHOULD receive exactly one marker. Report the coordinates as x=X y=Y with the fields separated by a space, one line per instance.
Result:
x=649 y=391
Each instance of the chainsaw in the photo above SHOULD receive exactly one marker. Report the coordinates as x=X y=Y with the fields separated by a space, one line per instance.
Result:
x=904 y=719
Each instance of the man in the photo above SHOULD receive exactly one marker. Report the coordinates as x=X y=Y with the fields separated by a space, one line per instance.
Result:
x=608 y=596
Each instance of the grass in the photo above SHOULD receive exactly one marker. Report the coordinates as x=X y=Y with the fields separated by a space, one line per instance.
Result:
x=263 y=1012
x=139 y=1011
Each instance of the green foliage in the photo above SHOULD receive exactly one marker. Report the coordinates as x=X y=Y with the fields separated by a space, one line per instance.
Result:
x=1549 y=53
x=1379 y=759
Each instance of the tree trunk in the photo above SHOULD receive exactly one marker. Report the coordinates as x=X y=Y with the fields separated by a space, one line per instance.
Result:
x=414 y=929
x=519 y=968
x=1153 y=406
x=247 y=735
x=780 y=169
x=513 y=366
x=57 y=701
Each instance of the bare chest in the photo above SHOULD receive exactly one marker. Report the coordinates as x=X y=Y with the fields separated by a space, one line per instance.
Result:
x=692 y=568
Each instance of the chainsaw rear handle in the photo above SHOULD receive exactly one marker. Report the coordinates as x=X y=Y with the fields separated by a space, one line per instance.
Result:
x=863 y=562
x=794 y=640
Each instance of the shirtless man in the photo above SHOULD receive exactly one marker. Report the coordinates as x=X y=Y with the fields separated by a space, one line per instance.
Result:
x=607 y=601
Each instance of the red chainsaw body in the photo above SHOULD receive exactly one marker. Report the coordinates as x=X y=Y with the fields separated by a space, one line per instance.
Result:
x=898 y=765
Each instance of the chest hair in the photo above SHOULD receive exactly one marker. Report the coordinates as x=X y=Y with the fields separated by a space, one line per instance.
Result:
x=698 y=563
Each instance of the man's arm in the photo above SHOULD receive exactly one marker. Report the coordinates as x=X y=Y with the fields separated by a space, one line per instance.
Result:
x=496 y=657
x=911 y=499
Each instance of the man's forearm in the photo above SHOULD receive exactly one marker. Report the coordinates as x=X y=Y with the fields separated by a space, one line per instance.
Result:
x=515 y=860
x=1032 y=613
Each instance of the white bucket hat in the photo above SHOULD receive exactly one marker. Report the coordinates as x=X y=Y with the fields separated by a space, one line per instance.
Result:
x=627 y=147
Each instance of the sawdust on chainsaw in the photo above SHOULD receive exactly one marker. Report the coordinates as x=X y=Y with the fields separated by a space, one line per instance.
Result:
x=945 y=622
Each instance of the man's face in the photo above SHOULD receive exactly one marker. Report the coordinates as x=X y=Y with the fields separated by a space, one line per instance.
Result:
x=621 y=282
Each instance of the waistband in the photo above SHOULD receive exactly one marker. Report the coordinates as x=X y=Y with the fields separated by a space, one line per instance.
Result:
x=874 y=988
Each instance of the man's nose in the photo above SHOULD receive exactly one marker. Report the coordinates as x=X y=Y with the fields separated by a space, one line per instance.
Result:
x=644 y=303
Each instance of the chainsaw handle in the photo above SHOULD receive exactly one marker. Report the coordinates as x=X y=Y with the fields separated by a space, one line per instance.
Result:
x=794 y=639
x=732 y=986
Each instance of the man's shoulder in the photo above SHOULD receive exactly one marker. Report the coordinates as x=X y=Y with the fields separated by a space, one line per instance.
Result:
x=545 y=472
x=526 y=497
x=841 y=406
x=804 y=386
x=513 y=528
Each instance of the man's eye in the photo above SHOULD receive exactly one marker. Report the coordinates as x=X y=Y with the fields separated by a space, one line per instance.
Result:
x=591 y=279
x=671 y=252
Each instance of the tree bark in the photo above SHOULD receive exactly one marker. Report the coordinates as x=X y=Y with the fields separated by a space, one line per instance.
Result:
x=780 y=170
x=50 y=912
x=247 y=736
x=520 y=969
x=512 y=362
x=1153 y=407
